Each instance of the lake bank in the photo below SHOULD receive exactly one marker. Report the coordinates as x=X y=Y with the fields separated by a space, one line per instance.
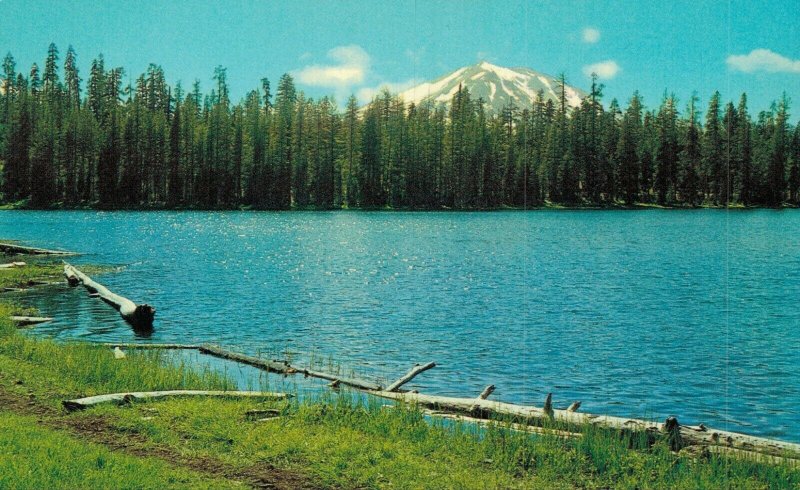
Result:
x=330 y=441
x=478 y=292
x=22 y=206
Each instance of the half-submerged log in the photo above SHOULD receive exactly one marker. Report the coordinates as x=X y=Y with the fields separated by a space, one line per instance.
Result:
x=283 y=367
x=280 y=367
x=125 y=398
x=566 y=423
x=532 y=429
x=14 y=249
x=678 y=435
x=12 y=265
x=411 y=374
x=127 y=345
x=483 y=396
x=574 y=406
x=139 y=316
x=24 y=321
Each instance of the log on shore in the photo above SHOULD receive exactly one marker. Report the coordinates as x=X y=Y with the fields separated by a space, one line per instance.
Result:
x=124 y=398
x=24 y=321
x=139 y=316
x=683 y=435
x=13 y=249
x=12 y=265
x=531 y=429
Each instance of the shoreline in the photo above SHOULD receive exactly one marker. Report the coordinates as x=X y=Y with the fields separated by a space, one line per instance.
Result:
x=639 y=206
x=330 y=419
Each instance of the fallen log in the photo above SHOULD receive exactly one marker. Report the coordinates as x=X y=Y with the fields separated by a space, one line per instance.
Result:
x=139 y=316
x=125 y=345
x=12 y=265
x=279 y=367
x=483 y=396
x=574 y=406
x=353 y=382
x=125 y=398
x=267 y=365
x=283 y=367
x=411 y=374
x=531 y=429
x=481 y=409
x=682 y=435
x=13 y=249
x=23 y=321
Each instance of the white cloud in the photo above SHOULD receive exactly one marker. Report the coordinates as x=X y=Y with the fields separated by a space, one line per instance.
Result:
x=365 y=94
x=607 y=69
x=350 y=67
x=590 y=35
x=762 y=60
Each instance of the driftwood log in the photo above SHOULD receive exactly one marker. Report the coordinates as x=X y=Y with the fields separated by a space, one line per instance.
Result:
x=124 y=398
x=139 y=316
x=532 y=429
x=411 y=374
x=24 y=321
x=545 y=419
x=12 y=265
x=14 y=249
x=279 y=367
x=683 y=435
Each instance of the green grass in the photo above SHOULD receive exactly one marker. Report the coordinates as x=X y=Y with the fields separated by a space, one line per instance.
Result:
x=348 y=443
x=19 y=277
x=334 y=440
x=37 y=457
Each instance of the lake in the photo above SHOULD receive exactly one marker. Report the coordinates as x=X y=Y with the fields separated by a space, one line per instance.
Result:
x=636 y=313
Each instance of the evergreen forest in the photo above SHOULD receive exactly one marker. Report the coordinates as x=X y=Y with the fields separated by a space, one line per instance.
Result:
x=112 y=144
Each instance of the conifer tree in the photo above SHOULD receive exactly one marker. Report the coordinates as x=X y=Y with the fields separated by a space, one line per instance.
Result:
x=690 y=160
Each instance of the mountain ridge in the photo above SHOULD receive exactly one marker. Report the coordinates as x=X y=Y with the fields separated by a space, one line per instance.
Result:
x=497 y=85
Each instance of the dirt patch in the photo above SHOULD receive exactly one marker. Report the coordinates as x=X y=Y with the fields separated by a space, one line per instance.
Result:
x=100 y=430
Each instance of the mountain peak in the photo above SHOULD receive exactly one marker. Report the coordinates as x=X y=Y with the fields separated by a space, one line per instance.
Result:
x=498 y=86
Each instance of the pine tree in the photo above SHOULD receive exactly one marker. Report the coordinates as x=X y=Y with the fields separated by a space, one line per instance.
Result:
x=16 y=171
x=349 y=159
x=42 y=158
x=778 y=154
x=690 y=159
x=730 y=122
x=608 y=158
x=370 y=175
x=627 y=150
x=594 y=111
x=281 y=139
x=744 y=154
x=667 y=152
x=713 y=174
x=72 y=81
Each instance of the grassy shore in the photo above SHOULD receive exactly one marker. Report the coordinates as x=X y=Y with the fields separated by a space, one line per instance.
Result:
x=333 y=441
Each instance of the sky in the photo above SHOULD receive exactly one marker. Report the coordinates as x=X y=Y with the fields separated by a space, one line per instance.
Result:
x=343 y=47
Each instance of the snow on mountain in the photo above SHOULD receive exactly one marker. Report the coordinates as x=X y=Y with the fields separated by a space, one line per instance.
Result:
x=497 y=85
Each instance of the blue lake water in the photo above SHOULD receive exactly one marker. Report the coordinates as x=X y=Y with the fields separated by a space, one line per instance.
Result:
x=646 y=313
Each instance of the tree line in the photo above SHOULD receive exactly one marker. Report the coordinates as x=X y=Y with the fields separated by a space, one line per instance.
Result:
x=149 y=144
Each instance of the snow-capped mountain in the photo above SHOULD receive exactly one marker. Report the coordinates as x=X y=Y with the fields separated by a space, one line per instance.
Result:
x=497 y=85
